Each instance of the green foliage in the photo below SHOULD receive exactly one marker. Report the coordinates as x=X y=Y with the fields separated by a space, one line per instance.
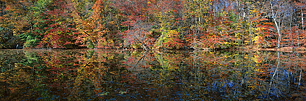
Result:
x=41 y=4
x=90 y=45
x=30 y=42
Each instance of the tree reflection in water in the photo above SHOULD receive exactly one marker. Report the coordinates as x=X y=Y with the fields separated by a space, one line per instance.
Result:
x=151 y=75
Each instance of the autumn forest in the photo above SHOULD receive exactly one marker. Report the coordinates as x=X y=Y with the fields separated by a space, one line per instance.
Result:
x=152 y=50
x=152 y=24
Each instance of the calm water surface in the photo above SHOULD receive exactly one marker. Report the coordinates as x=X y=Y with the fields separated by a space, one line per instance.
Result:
x=140 y=75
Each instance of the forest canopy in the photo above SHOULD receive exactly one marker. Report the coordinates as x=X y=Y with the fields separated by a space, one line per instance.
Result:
x=152 y=24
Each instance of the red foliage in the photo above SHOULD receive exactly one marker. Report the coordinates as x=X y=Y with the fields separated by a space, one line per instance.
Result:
x=58 y=35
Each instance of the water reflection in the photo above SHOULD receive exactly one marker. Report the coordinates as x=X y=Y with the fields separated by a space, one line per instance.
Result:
x=137 y=75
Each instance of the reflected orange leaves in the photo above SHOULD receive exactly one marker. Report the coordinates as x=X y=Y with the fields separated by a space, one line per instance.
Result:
x=107 y=73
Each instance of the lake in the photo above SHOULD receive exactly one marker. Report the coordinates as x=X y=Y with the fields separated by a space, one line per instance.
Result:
x=151 y=75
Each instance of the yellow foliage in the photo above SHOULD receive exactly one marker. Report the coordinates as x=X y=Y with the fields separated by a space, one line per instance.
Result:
x=256 y=59
x=257 y=39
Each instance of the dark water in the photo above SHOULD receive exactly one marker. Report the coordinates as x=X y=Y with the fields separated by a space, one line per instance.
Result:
x=140 y=75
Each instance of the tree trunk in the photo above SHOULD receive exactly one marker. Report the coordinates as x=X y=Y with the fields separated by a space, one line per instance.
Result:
x=277 y=26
